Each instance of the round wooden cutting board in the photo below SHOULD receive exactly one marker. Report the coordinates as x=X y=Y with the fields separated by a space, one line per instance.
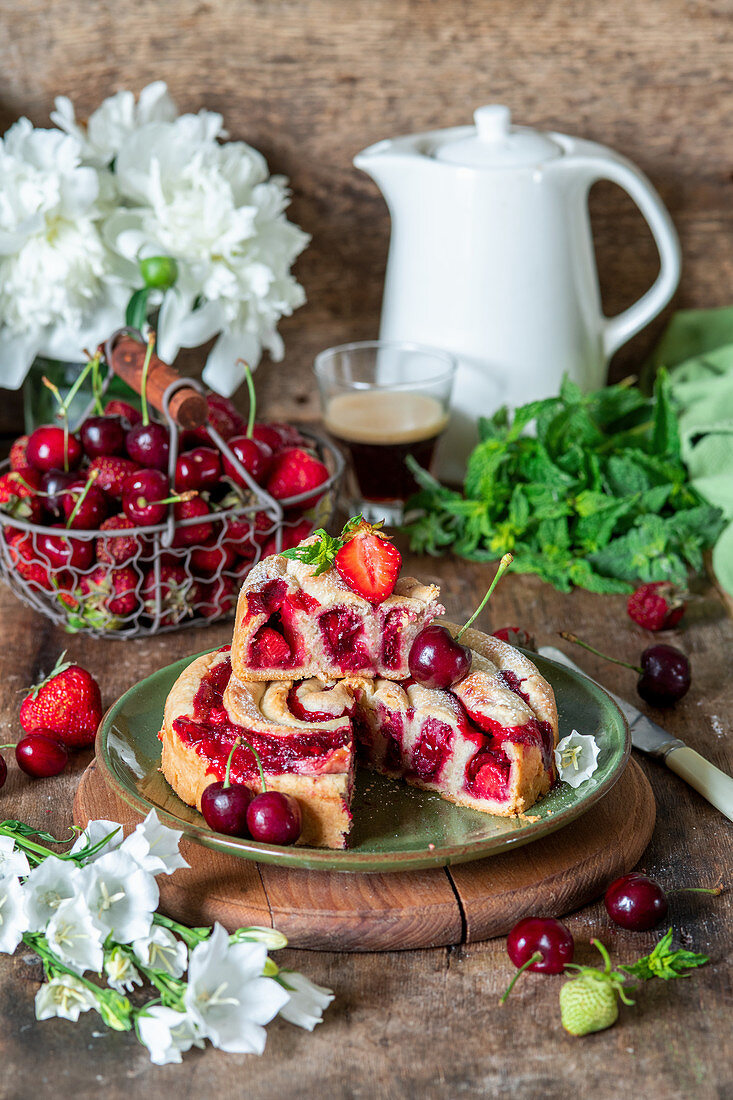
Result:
x=385 y=912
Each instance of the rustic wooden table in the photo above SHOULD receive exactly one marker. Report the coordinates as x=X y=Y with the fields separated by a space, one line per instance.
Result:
x=424 y=1023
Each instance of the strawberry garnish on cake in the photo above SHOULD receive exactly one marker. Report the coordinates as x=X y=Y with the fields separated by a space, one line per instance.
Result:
x=331 y=607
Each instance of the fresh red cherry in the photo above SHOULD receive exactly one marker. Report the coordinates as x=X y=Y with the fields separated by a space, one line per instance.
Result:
x=545 y=936
x=148 y=444
x=49 y=448
x=225 y=808
x=144 y=497
x=274 y=818
x=636 y=902
x=85 y=506
x=63 y=551
x=193 y=533
x=40 y=754
x=436 y=660
x=53 y=484
x=256 y=458
x=269 y=435
x=102 y=435
x=197 y=469
x=665 y=675
x=3 y=771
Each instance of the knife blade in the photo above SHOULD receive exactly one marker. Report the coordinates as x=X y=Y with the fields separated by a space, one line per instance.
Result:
x=651 y=738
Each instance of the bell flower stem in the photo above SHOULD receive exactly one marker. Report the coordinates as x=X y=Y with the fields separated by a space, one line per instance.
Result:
x=591 y=649
x=504 y=564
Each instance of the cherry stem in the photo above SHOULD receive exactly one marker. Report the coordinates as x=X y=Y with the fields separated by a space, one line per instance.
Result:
x=240 y=741
x=530 y=961
x=180 y=498
x=144 y=379
x=715 y=891
x=591 y=649
x=504 y=564
x=235 y=746
x=93 y=475
x=63 y=408
x=252 y=396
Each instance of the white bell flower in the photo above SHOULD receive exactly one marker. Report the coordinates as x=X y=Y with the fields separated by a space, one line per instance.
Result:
x=167 y=1034
x=64 y=996
x=13 y=918
x=94 y=832
x=226 y=995
x=576 y=758
x=307 y=1000
x=75 y=936
x=12 y=860
x=121 y=972
x=47 y=887
x=162 y=951
x=155 y=847
x=121 y=895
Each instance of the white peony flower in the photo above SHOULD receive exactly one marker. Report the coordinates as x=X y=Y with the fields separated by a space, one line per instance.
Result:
x=576 y=758
x=64 y=996
x=227 y=997
x=58 y=288
x=155 y=846
x=121 y=895
x=307 y=1000
x=115 y=119
x=122 y=975
x=12 y=860
x=162 y=951
x=94 y=832
x=75 y=936
x=47 y=887
x=13 y=918
x=167 y=1034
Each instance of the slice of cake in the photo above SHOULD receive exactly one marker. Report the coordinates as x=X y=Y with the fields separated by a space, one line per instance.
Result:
x=311 y=759
x=325 y=609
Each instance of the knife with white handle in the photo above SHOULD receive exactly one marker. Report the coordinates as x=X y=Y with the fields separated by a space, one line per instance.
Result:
x=712 y=783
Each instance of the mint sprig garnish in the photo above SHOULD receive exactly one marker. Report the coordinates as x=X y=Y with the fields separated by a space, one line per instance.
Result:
x=598 y=496
x=322 y=553
x=665 y=963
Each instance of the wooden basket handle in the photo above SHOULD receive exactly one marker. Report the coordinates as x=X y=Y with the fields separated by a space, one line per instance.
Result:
x=126 y=356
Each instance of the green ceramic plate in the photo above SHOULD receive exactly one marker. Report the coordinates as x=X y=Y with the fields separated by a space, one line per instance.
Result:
x=396 y=827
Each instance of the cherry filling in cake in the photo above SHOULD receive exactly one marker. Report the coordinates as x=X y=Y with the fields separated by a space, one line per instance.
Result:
x=212 y=733
x=278 y=641
x=342 y=631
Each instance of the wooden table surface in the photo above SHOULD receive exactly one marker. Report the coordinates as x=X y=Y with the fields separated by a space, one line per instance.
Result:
x=423 y=1023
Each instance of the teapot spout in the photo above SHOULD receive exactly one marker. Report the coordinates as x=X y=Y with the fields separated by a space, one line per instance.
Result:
x=387 y=162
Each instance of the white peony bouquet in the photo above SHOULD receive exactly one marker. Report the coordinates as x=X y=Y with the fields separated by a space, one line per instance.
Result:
x=90 y=915
x=141 y=209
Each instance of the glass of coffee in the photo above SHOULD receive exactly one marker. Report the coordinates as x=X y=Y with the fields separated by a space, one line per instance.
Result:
x=383 y=401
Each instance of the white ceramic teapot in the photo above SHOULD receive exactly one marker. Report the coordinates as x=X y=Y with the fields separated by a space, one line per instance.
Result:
x=491 y=257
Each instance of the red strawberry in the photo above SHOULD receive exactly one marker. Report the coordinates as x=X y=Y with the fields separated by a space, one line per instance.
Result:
x=210 y=559
x=246 y=533
x=656 y=606
x=112 y=473
x=128 y=412
x=219 y=598
x=178 y=592
x=369 y=563
x=295 y=471
x=278 y=435
x=25 y=559
x=108 y=595
x=194 y=533
x=68 y=702
x=118 y=549
x=18 y=455
x=269 y=649
x=18 y=494
x=515 y=635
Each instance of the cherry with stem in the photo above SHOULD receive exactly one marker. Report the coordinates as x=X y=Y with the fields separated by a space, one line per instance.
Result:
x=224 y=804
x=664 y=672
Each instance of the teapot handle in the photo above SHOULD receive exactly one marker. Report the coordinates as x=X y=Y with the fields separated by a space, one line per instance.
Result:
x=617 y=330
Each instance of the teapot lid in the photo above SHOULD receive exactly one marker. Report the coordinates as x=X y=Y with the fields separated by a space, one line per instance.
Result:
x=498 y=144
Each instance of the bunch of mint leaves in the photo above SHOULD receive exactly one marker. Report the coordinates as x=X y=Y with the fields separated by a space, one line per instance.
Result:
x=597 y=496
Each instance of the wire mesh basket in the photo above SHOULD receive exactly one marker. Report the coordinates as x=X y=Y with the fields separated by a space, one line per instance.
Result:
x=133 y=582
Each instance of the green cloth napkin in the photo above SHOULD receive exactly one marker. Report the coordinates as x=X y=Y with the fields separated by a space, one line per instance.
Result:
x=697 y=350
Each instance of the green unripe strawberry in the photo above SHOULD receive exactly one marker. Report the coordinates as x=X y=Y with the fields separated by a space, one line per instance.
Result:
x=588 y=1003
